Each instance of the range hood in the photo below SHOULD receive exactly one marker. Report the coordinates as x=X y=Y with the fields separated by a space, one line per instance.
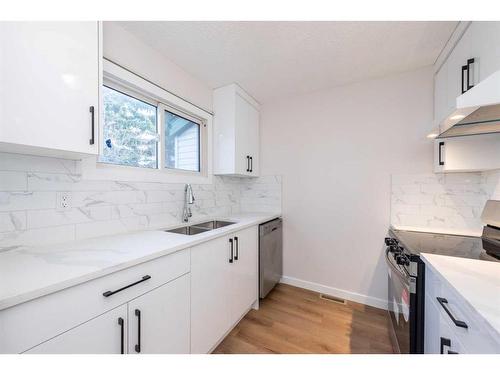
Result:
x=477 y=110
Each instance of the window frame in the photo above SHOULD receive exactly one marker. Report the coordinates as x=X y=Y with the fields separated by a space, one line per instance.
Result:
x=122 y=79
x=203 y=146
x=137 y=96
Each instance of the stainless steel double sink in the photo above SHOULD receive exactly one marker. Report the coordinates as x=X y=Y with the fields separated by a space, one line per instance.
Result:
x=190 y=230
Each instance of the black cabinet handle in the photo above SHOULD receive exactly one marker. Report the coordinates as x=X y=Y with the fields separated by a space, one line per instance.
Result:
x=110 y=293
x=231 y=257
x=237 y=248
x=444 y=342
x=122 y=335
x=464 y=71
x=469 y=63
x=248 y=163
x=92 y=122
x=452 y=352
x=251 y=164
x=458 y=323
x=138 y=345
x=441 y=161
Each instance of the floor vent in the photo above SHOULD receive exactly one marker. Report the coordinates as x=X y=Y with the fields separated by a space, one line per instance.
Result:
x=332 y=298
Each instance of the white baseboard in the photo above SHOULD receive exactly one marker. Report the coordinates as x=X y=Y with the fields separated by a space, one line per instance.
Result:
x=340 y=293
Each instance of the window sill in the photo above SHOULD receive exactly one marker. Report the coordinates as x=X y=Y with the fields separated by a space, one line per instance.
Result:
x=93 y=170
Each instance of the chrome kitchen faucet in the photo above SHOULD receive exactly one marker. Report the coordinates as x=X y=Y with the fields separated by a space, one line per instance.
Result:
x=188 y=199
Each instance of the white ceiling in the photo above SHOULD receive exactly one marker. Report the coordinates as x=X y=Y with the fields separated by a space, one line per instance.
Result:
x=279 y=59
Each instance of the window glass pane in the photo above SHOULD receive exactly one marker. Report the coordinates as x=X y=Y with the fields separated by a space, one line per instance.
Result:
x=129 y=130
x=182 y=143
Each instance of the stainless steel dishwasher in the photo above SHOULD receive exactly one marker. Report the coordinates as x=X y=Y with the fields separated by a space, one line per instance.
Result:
x=270 y=255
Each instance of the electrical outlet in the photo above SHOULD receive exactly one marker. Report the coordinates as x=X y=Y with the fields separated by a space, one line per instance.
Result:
x=63 y=201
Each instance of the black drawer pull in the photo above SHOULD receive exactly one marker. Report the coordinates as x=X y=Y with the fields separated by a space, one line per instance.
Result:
x=237 y=248
x=92 y=125
x=464 y=71
x=441 y=145
x=122 y=335
x=251 y=163
x=443 y=301
x=248 y=163
x=138 y=345
x=444 y=342
x=232 y=251
x=469 y=63
x=110 y=293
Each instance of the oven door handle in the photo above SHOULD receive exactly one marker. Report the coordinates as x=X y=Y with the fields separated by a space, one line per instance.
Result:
x=401 y=273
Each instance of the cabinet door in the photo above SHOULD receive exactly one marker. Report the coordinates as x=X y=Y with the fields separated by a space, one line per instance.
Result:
x=106 y=334
x=458 y=58
x=247 y=137
x=49 y=79
x=244 y=287
x=210 y=286
x=159 y=320
x=485 y=39
x=468 y=154
x=439 y=338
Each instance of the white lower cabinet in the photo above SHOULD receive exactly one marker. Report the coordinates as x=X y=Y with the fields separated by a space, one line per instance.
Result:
x=184 y=302
x=210 y=283
x=439 y=337
x=451 y=325
x=244 y=278
x=105 y=334
x=158 y=321
x=223 y=286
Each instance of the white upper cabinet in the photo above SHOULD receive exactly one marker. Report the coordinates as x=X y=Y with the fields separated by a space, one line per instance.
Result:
x=475 y=56
x=236 y=139
x=49 y=85
x=467 y=154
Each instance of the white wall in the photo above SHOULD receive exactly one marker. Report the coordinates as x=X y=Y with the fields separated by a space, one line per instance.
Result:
x=336 y=150
x=127 y=50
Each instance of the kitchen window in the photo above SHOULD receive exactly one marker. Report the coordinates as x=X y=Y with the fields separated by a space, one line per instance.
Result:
x=147 y=133
x=130 y=132
x=182 y=141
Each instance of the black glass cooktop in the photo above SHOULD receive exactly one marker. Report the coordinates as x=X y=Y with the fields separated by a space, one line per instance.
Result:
x=443 y=244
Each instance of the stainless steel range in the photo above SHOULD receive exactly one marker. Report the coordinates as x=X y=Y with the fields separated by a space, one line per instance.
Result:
x=406 y=272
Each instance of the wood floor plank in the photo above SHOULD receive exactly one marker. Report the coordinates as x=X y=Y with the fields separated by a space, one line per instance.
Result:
x=297 y=321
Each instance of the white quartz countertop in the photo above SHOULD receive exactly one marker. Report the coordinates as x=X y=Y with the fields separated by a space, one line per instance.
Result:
x=477 y=281
x=456 y=232
x=31 y=272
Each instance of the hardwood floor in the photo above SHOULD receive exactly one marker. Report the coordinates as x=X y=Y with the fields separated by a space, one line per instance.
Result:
x=294 y=320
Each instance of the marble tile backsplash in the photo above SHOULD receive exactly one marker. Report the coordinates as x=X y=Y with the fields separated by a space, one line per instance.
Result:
x=450 y=203
x=28 y=194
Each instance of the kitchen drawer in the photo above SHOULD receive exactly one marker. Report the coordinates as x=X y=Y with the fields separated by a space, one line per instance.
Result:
x=476 y=338
x=440 y=338
x=26 y=325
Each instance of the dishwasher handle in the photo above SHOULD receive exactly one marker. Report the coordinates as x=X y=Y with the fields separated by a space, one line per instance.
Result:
x=270 y=226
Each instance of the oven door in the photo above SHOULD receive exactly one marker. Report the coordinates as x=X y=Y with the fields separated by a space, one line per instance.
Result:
x=401 y=305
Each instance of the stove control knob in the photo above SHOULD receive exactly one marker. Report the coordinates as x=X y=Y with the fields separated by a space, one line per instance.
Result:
x=406 y=260
x=402 y=260
x=390 y=241
x=393 y=248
